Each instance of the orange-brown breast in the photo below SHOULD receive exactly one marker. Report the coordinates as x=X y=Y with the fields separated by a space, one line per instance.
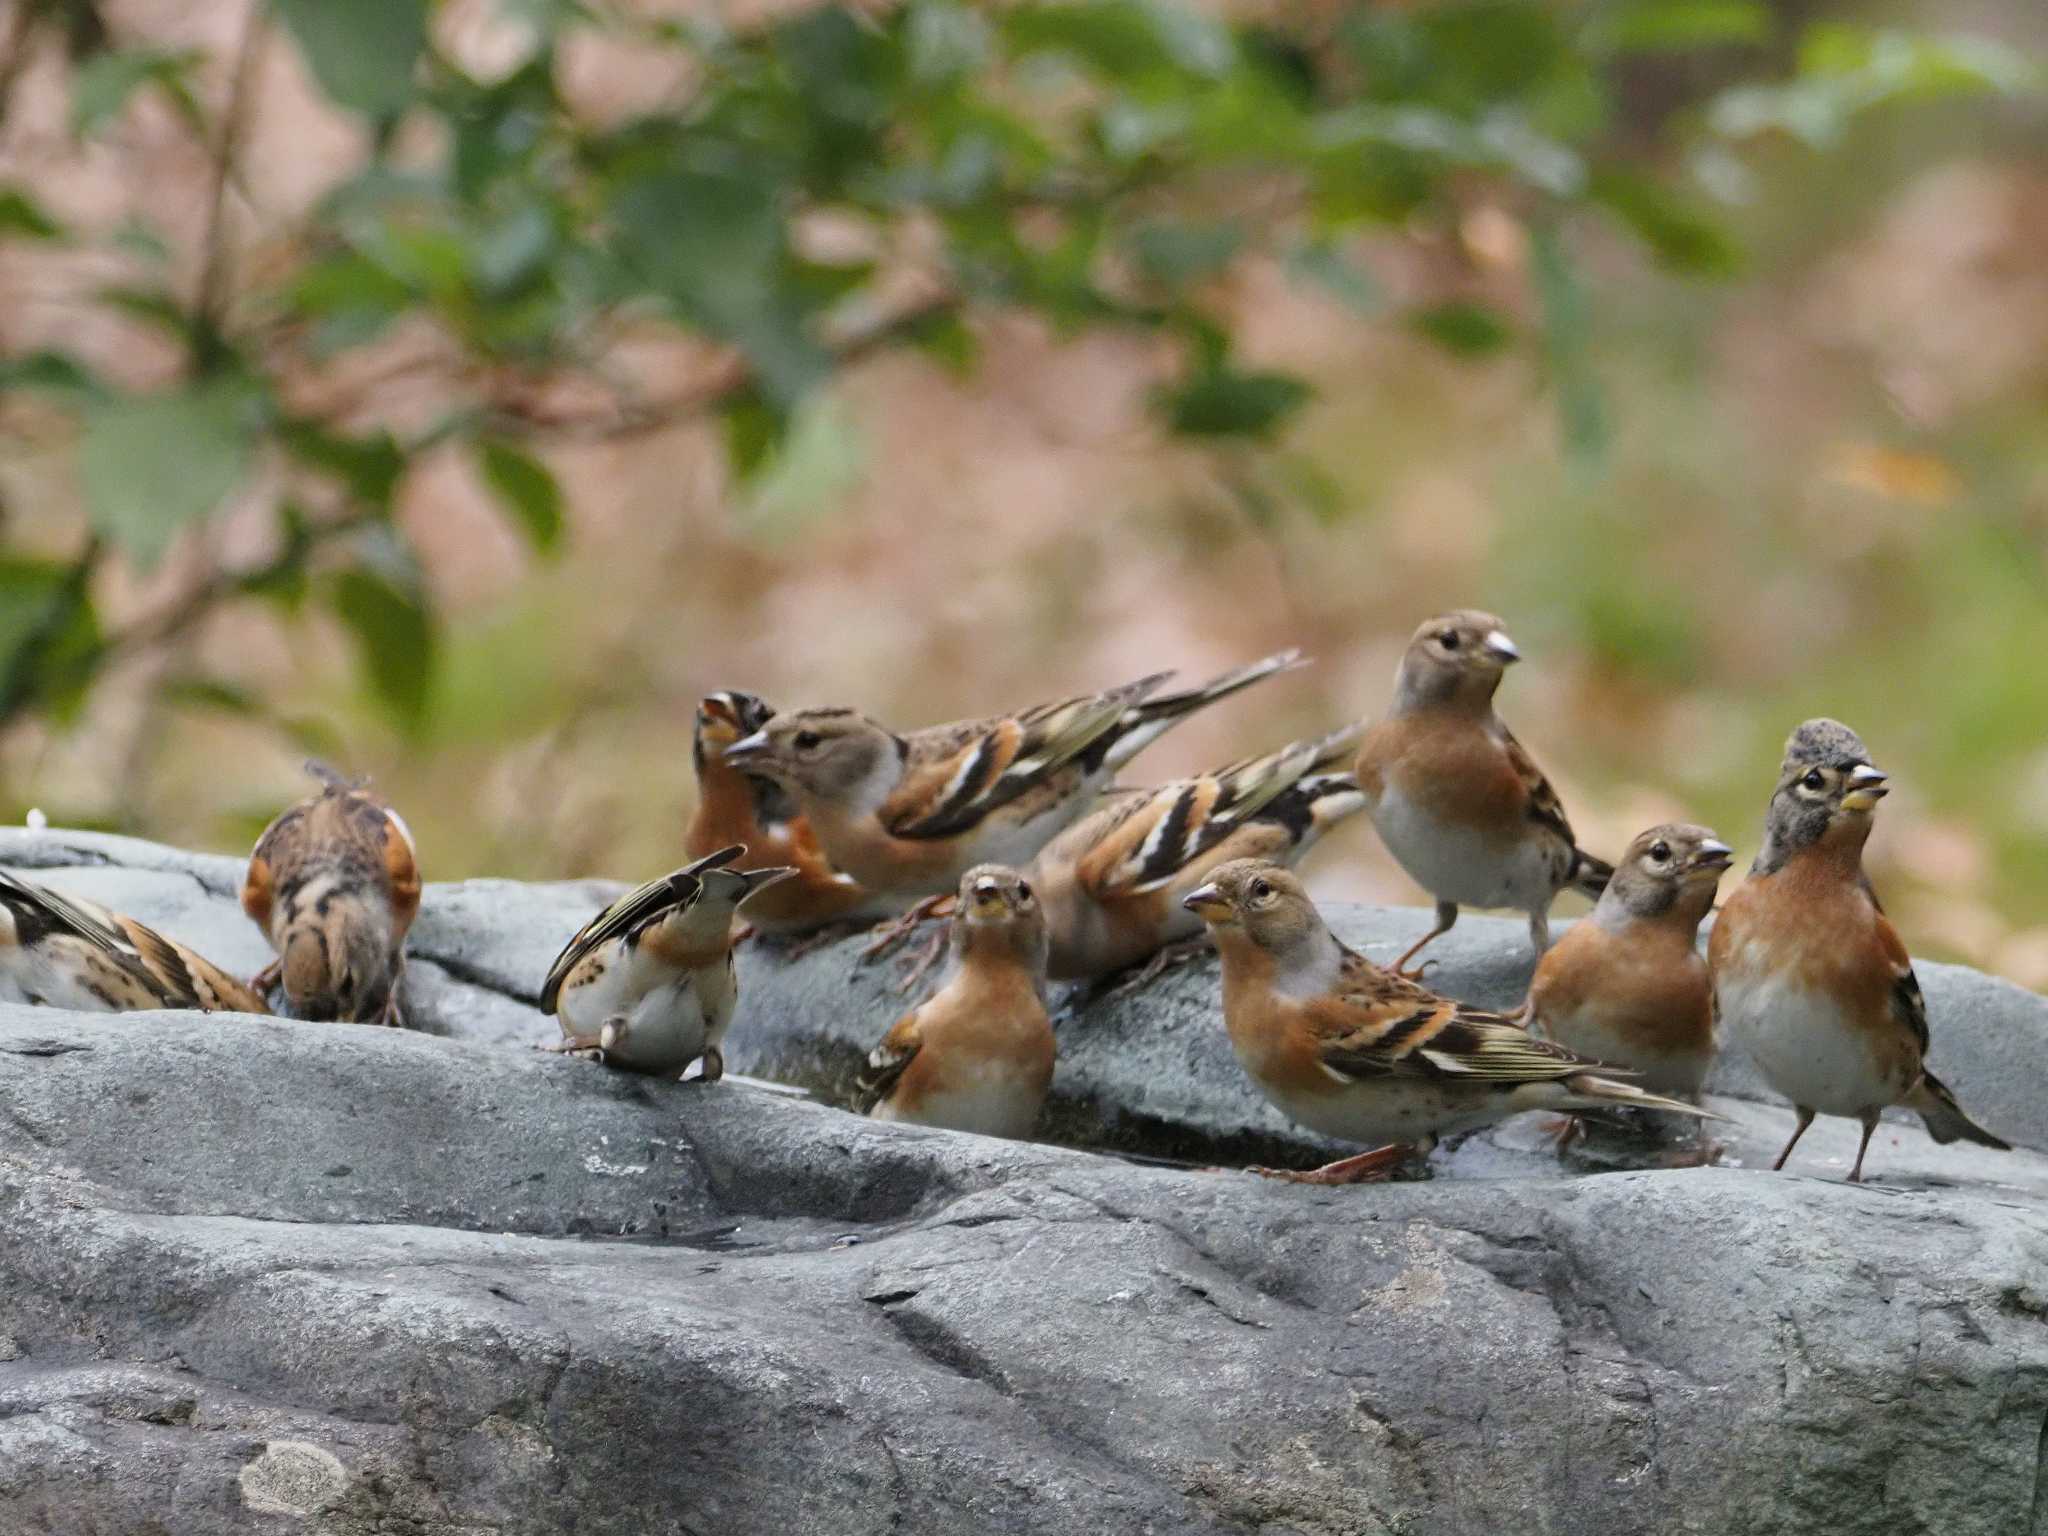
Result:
x=1449 y=765
x=1271 y=1033
x=1647 y=985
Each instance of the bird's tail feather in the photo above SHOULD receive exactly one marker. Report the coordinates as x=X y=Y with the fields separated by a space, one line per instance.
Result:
x=1596 y=1090
x=1944 y=1117
x=1590 y=874
x=1144 y=723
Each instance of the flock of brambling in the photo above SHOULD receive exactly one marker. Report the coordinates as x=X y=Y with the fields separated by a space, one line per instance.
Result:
x=817 y=821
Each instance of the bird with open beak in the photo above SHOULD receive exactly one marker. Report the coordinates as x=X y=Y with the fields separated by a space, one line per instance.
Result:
x=756 y=812
x=1809 y=975
x=977 y=1055
x=1458 y=802
x=649 y=983
x=906 y=815
x=1628 y=986
x=1364 y=1054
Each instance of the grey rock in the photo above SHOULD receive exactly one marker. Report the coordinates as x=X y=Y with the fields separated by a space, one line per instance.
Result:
x=262 y=1276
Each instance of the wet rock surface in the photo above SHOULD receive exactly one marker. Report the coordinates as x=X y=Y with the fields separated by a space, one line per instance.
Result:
x=262 y=1276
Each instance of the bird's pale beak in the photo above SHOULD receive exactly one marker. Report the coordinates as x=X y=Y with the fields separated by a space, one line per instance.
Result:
x=1207 y=903
x=987 y=894
x=1866 y=787
x=1713 y=855
x=1500 y=647
x=748 y=748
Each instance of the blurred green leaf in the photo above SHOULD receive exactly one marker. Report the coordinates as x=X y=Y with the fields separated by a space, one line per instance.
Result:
x=1220 y=401
x=392 y=627
x=152 y=306
x=1123 y=38
x=154 y=464
x=62 y=378
x=49 y=635
x=369 y=466
x=526 y=488
x=752 y=430
x=102 y=85
x=1323 y=263
x=361 y=52
x=1672 y=26
x=1176 y=253
x=23 y=218
x=1581 y=404
x=1470 y=330
x=1681 y=236
x=818 y=461
x=947 y=337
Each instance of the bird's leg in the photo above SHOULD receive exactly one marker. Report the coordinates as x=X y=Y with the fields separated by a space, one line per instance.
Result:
x=1366 y=1167
x=1539 y=930
x=611 y=1032
x=714 y=1065
x=741 y=932
x=817 y=938
x=1446 y=916
x=582 y=1047
x=887 y=935
x=1565 y=1130
x=1869 y=1118
x=1167 y=957
x=1805 y=1119
x=926 y=957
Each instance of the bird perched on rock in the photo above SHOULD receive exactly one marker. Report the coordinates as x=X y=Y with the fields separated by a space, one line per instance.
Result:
x=64 y=952
x=1366 y=1055
x=978 y=1054
x=649 y=982
x=1459 y=804
x=905 y=816
x=746 y=808
x=1112 y=883
x=1628 y=986
x=334 y=883
x=1808 y=973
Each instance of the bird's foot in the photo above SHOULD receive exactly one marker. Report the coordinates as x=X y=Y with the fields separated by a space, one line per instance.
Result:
x=713 y=1068
x=1167 y=958
x=923 y=960
x=1367 y=1167
x=1565 y=1130
x=897 y=930
x=578 y=1047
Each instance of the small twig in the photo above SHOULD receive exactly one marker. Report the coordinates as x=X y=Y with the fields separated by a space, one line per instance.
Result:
x=211 y=302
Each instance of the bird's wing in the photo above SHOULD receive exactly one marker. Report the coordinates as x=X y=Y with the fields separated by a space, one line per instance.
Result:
x=1545 y=808
x=630 y=915
x=888 y=1061
x=956 y=775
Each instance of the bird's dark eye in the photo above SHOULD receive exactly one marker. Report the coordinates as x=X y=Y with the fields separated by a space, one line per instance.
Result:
x=805 y=740
x=1449 y=640
x=1814 y=779
x=1023 y=890
x=1261 y=890
x=1660 y=851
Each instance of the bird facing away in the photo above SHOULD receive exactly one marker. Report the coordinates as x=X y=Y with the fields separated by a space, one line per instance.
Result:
x=1628 y=986
x=1809 y=975
x=735 y=807
x=649 y=983
x=334 y=883
x=65 y=952
x=977 y=1055
x=1366 y=1055
x=905 y=816
x=1462 y=808
x=1112 y=882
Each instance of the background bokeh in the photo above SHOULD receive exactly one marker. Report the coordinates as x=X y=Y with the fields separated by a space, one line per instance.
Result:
x=1820 y=484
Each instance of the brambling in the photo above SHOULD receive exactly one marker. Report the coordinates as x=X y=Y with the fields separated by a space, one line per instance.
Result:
x=1363 y=1054
x=756 y=812
x=1459 y=804
x=64 y=952
x=977 y=1055
x=649 y=983
x=1627 y=986
x=1809 y=974
x=905 y=816
x=334 y=883
x=1112 y=883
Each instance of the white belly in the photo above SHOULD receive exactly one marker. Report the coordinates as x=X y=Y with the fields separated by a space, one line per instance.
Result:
x=1801 y=1043
x=992 y=1101
x=1455 y=864
x=667 y=1025
x=1588 y=1033
x=29 y=977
